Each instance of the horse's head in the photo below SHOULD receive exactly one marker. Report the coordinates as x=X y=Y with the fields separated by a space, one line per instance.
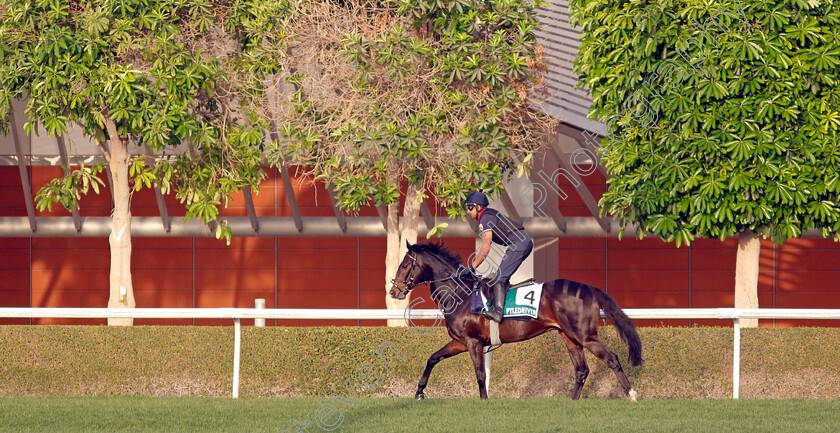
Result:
x=425 y=263
x=409 y=274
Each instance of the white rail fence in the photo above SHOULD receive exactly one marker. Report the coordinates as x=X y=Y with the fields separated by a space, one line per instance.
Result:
x=237 y=314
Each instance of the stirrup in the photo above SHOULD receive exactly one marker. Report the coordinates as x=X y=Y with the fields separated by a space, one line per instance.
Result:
x=493 y=315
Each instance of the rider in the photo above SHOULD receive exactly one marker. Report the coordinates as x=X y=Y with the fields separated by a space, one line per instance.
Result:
x=493 y=226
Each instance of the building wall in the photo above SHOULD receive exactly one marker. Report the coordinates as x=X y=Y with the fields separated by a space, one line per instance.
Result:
x=349 y=272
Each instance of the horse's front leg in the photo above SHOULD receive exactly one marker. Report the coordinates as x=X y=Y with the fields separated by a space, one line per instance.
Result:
x=477 y=354
x=451 y=349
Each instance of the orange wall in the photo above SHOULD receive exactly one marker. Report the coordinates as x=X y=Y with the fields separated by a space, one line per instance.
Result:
x=349 y=272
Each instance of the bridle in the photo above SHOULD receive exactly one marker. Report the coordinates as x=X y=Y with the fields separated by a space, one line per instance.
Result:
x=409 y=285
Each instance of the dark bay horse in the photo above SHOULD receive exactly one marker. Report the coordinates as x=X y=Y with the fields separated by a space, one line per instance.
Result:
x=567 y=306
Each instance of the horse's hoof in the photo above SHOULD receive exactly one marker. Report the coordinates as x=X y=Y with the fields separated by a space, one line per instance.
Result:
x=633 y=395
x=419 y=396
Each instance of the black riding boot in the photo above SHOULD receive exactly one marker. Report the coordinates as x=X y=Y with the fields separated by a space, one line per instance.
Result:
x=496 y=314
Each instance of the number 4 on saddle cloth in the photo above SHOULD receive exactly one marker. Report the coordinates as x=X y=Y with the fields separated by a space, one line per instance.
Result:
x=522 y=300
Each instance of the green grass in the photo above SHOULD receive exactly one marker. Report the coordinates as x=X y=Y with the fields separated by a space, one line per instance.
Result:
x=194 y=414
x=197 y=361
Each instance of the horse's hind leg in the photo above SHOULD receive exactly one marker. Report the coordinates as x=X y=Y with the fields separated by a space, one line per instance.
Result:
x=452 y=348
x=579 y=361
x=609 y=358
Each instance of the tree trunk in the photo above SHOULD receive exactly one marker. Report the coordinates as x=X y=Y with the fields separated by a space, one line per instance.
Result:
x=746 y=274
x=396 y=240
x=121 y=289
x=411 y=216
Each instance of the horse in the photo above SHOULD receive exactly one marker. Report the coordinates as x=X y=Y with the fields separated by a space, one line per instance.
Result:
x=570 y=307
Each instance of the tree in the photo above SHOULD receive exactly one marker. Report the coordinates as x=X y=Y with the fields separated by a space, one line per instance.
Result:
x=438 y=96
x=723 y=118
x=149 y=72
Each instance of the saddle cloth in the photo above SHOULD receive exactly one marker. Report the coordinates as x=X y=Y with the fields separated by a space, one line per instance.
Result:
x=520 y=302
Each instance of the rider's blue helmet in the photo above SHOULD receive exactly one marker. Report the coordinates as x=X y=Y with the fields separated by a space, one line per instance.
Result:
x=477 y=197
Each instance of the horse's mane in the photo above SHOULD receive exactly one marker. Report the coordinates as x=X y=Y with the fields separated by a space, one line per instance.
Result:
x=440 y=251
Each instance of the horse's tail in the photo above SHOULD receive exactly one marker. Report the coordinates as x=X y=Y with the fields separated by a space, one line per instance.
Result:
x=626 y=328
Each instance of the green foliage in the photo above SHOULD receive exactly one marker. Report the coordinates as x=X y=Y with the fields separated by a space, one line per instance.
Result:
x=436 y=231
x=429 y=92
x=156 y=70
x=68 y=190
x=723 y=115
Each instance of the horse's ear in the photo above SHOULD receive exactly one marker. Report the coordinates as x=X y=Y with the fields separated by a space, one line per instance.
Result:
x=407 y=245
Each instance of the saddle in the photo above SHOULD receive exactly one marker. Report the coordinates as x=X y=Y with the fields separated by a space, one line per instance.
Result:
x=484 y=292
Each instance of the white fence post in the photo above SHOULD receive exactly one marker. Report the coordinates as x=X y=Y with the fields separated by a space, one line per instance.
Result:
x=488 y=357
x=259 y=304
x=736 y=359
x=237 y=339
